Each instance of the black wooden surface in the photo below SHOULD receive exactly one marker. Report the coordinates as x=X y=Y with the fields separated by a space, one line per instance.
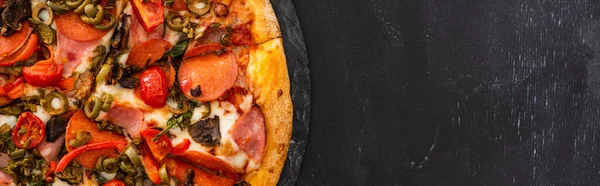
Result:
x=453 y=92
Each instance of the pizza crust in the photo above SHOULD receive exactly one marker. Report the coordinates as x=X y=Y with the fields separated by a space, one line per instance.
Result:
x=264 y=26
x=268 y=79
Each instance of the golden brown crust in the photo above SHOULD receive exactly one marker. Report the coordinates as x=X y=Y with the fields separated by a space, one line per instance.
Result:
x=264 y=25
x=268 y=79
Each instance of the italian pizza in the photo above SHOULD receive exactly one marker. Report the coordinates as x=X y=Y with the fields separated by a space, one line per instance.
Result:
x=142 y=92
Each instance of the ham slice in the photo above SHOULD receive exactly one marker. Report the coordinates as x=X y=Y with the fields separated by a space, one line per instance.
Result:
x=71 y=53
x=130 y=119
x=248 y=132
x=4 y=159
x=50 y=150
x=5 y=178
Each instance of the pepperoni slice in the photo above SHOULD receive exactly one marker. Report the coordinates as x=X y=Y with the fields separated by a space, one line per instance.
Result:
x=210 y=162
x=177 y=168
x=248 y=132
x=179 y=5
x=12 y=43
x=148 y=52
x=80 y=122
x=131 y=119
x=214 y=74
x=169 y=73
x=71 y=25
x=23 y=53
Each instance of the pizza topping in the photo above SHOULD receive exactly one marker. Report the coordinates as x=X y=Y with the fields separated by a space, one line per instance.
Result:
x=149 y=12
x=79 y=122
x=112 y=21
x=179 y=169
x=176 y=21
x=55 y=127
x=15 y=11
x=23 y=53
x=130 y=119
x=215 y=74
x=249 y=133
x=121 y=36
x=160 y=146
x=58 y=7
x=71 y=25
x=220 y=9
x=10 y=44
x=164 y=175
x=154 y=87
x=181 y=147
x=241 y=35
x=210 y=162
x=148 y=52
x=114 y=183
x=211 y=42
x=199 y=7
x=46 y=33
x=56 y=103
x=129 y=82
x=117 y=145
x=150 y=164
x=29 y=131
x=81 y=139
x=195 y=92
x=44 y=73
x=206 y=132
x=92 y=107
x=36 y=13
x=189 y=177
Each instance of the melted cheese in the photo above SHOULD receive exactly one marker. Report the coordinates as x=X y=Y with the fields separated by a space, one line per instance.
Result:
x=42 y=114
x=8 y=119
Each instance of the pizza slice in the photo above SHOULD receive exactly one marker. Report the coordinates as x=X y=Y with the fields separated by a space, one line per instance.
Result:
x=142 y=92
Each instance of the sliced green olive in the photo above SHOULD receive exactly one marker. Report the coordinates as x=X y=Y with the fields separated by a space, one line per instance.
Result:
x=103 y=74
x=90 y=10
x=110 y=165
x=206 y=113
x=225 y=39
x=64 y=103
x=92 y=15
x=58 y=8
x=81 y=139
x=92 y=107
x=133 y=156
x=164 y=175
x=36 y=13
x=81 y=7
x=176 y=22
x=199 y=7
x=108 y=99
x=111 y=23
x=74 y=4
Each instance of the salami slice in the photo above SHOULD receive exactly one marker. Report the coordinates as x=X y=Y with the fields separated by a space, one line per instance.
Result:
x=248 y=132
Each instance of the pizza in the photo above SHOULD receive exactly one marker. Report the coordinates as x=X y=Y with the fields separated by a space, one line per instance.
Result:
x=142 y=92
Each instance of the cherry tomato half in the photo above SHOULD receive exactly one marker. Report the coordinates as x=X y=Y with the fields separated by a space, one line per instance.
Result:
x=154 y=87
x=149 y=12
x=114 y=183
x=29 y=131
x=159 y=148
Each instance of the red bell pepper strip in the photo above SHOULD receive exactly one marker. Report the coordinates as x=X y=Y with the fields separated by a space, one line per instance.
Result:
x=117 y=145
x=181 y=148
